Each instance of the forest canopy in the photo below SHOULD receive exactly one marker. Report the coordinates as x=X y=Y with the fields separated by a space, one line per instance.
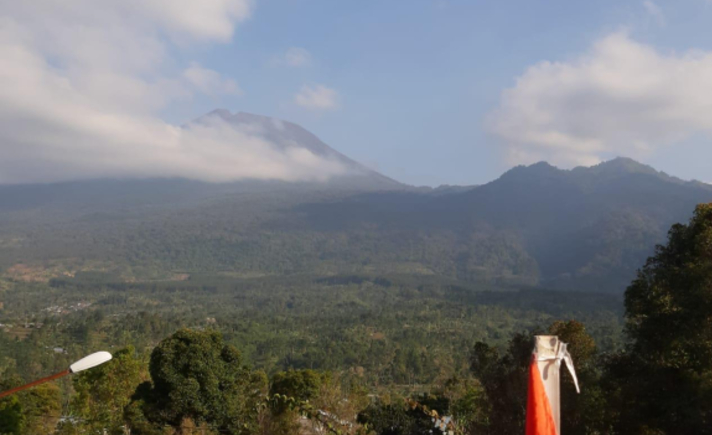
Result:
x=381 y=355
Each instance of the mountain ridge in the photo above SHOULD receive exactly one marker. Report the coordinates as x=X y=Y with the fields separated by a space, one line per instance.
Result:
x=537 y=225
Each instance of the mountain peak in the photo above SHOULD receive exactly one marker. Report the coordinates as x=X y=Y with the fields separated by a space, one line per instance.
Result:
x=280 y=134
x=618 y=168
x=284 y=136
x=621 y=165
x=536 y=170
x=618 y=165
x=245 y=118
x=223 y=113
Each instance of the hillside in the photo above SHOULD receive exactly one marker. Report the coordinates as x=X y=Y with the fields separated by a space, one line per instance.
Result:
x=580 y=229
x=587 y=228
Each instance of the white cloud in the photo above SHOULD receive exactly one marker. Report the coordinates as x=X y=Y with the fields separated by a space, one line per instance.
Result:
x=82 y=86
x=620 y=98
x=317 y=97
x=295 y=57
x=54 y=133
x=655 y=12
x=210 y=82
x=206 y=20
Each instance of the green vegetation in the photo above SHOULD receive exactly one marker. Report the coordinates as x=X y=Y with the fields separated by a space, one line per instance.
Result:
x=585 y=229
x=195 y=376
x=402 y=330
x=358 y=315
x=664 y=379
x=102 y=394
x=310 y=342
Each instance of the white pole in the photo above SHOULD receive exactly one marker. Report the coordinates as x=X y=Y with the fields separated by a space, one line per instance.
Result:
x=546 y=348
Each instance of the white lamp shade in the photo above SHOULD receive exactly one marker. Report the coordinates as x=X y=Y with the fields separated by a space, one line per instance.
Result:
x=90 y=361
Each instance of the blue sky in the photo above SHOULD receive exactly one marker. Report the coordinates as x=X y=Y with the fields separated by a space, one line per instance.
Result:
x=417 y=79
x=426 y=91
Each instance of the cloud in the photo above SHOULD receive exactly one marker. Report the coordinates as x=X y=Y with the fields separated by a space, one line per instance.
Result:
x=655 y=12
x=296 y=57
x=620 y=98
x=207 y=20
x=317 y=97
x=82 y=88
x=210 y=82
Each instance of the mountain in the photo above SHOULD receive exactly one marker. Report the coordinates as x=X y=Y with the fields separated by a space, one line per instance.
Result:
x=586 y=228
x=284 y=135
x=579 y=229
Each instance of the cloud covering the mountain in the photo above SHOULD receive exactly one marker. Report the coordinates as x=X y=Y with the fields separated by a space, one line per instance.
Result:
x=82 y=89
x=622 y=97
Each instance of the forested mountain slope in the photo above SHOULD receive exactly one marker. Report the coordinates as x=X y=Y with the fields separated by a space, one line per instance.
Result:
x=587 y=228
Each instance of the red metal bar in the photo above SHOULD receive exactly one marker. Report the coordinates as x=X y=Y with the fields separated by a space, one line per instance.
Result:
x=37 y=382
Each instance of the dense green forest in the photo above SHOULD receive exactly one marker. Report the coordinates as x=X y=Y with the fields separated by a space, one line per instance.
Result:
x=583 y=229
x=278 y=308
x=403 y=330
x=363 y=354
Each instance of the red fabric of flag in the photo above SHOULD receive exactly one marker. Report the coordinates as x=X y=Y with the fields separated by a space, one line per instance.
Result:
x=540 y=419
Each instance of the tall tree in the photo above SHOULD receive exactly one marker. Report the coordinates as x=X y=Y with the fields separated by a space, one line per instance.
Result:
x=582 y=413
x=196 y=376
x=32 y=412
x=665 y=376
x=103 y=392
x=504 y=379
x=41 y=406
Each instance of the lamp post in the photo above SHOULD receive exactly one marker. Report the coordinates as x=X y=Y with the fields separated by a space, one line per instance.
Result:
x=85 y=363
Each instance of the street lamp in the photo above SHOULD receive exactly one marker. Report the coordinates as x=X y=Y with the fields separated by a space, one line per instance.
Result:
x=85 y=363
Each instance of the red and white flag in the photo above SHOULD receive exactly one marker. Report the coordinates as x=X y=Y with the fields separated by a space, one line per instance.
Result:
x=543 y=394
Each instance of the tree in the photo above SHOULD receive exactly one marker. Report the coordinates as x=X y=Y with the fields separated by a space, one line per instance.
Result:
x=387 y=419
x=32 y=412
x=504 y=379
x=301 y=385
x=470 y=408
x=585 y=412
x=196 y=376
x=103 y=392
x=412 y=417
x=289 y=391
x=663 y=381
x=12 y=417
x=12 y=420
x=41 y=407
